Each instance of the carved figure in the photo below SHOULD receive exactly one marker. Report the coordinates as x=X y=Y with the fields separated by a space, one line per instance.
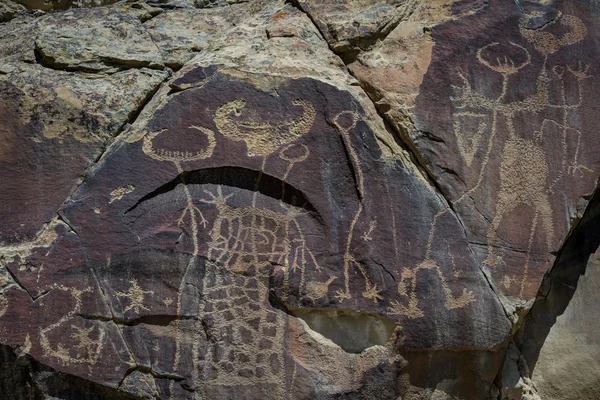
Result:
x=524 y=170
x=262 y=138
x=408 y=284
x=88 y=349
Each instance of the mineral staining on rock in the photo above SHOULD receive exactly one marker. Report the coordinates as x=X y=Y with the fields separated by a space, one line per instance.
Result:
x=250 y=227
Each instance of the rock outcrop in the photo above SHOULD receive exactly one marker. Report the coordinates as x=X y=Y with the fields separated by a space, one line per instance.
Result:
x=305 y=200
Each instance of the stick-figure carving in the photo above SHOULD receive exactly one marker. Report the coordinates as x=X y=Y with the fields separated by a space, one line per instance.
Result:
x=178 y=157
x=344 y=123
x=408 y=283
x=524 y=171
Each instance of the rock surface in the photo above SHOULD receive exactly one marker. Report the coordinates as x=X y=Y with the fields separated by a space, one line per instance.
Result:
x=572 y=346
x=504 y=127
x=8 y=9
x=314 y=200
x=95 y=40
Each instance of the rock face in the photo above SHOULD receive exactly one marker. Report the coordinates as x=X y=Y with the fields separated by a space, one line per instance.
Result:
x=289 y=201
x=572 y=346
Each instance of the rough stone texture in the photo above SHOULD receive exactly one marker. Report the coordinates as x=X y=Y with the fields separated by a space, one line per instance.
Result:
x=502 y=117
x=568 y=366
x=8 y=9
x=17 y=39
x=356 y=24
x=327 y=200
x=55 y=125
x=48 y=5
x=95 y=40
x=181 y=34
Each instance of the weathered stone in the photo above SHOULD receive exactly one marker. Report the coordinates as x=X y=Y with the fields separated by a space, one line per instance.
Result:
x=54 y=126
x=8 y=9
x=182 y=33
x=173 y=4
x=95 y=40
x=48 y=5
x=253 y=228
x=567 y=366
x=276 y=40
x=356 y=24
x=140 y=9
x=17 y=38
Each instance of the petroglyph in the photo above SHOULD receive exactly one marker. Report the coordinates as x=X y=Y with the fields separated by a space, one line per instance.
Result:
x=547 y=43
x=262 y=138
x=178 y=156
x=118 y=193
x=367 y=235
x=317 y=290
x=468 y=143
x=88 y=349
x=86 y=344
x=344 y=123
x=408 y=283
x=243 y=239
x=252 y=236
x=135 y=294
x=525 y=176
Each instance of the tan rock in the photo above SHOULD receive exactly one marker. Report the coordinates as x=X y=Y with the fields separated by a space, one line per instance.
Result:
x=180 y=34
x=568 y=366
x=95 y=40
x=8 y=9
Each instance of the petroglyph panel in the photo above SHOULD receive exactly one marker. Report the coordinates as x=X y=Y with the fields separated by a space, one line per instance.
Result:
x=245 y=201
x=257 y=208
x=516 y=123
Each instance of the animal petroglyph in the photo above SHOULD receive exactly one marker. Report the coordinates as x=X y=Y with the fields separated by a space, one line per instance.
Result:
x=262 y=138
x=408 y=283
x=317 y=290
x=547 y=42
x=525 y=176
